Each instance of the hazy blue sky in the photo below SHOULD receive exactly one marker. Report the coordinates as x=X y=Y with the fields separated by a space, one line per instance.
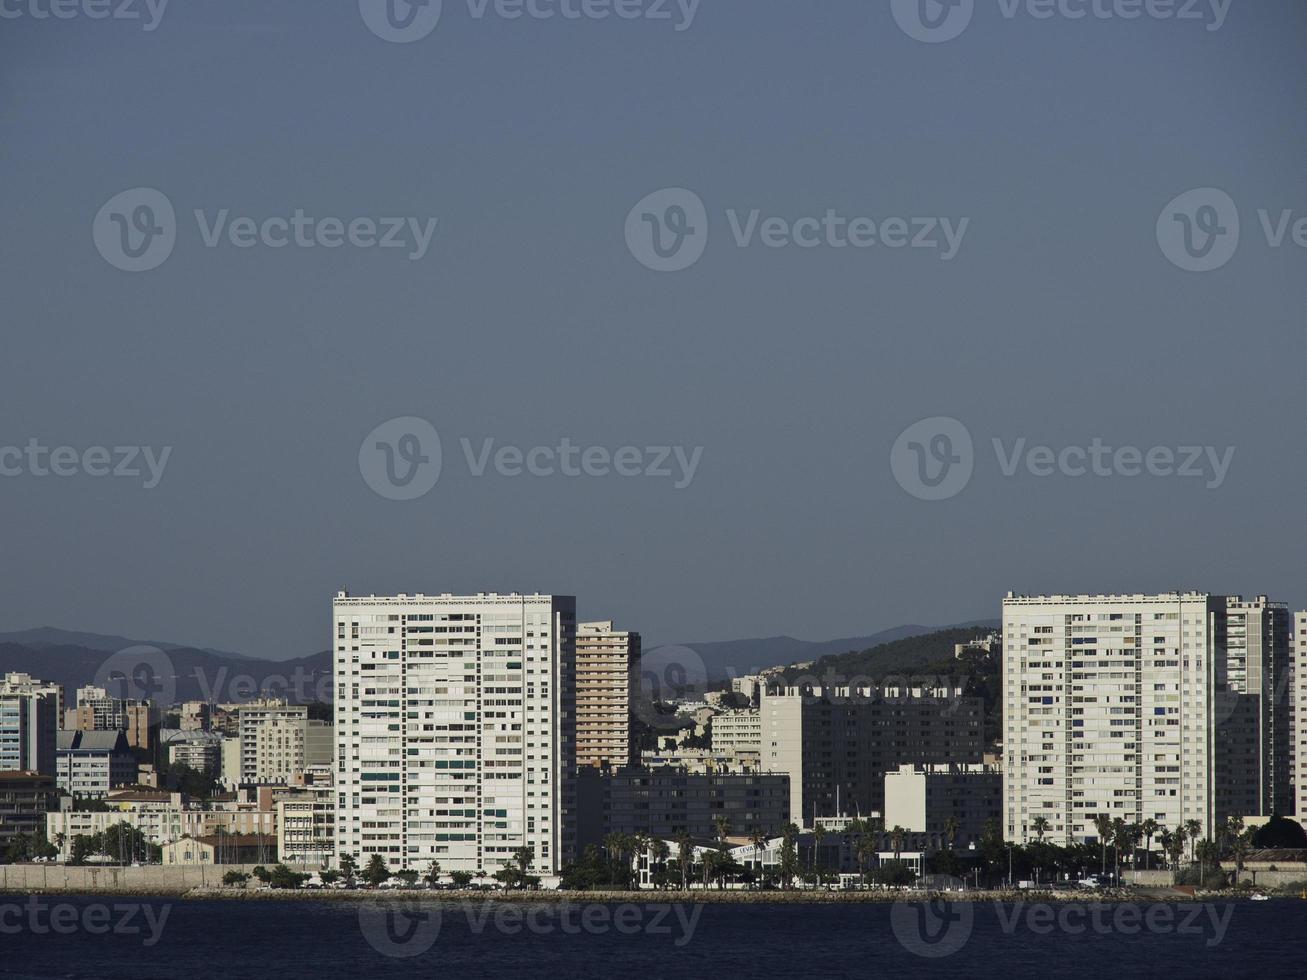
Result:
x=1060 y=319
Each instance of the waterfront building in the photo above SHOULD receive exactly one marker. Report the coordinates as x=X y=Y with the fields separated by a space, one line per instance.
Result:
x=607 y=670
x=456 y=729
x=837 y=744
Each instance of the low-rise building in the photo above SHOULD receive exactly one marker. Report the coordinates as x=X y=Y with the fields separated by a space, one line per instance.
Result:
x=737 y=732
x=222 y=849
x=25 y=799
x=90 y=764
x=306 y=819
x=663 y=803
x=165 y=817
x=944 y=799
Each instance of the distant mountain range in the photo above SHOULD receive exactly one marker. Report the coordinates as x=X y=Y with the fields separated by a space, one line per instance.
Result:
x=176 y=672
x=160 y=671
x=726 y=659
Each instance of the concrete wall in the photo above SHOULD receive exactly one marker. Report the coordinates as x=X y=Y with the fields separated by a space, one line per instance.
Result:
x=19 y=878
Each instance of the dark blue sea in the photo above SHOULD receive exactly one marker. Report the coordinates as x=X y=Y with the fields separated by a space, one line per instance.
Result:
x=164 y=939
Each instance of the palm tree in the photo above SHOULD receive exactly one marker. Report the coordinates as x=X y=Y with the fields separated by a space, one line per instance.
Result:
x=1206 y=851
x=789 y=857
x=1040 y=826
x=1239 y=848
x=660 y=852
x=684 y=857
x=896 y=840
x=759 y=842
x=866 y=849
x=951 y=831
x=1103 y=824
x=1149 y=828
x=1192 y=828
x=818 y=835
x=1120 y=840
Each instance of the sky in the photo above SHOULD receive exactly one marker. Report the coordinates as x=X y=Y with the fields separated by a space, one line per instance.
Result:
x=985 y=232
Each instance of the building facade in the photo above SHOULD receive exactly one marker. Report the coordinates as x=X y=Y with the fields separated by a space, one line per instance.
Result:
x=1124 y=706
x=90 y=764
x=279 y=740
x=455 y=729
x=96 y=711
x=944 y=801
x=837 y=744
x=607 y=670
x=25 y=799
x=29 y=720
x=1258 y=656
x=737 y=732
x=663 y=803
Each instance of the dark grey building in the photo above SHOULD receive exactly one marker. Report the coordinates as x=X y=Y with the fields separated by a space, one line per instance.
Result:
x=663 y=803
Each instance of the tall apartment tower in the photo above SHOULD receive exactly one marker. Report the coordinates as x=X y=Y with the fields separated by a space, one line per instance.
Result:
x=607 y=670
x=1298 y=707
x=1258 y=661
x=1124 y=705
x=456 y=730
x=29 y=723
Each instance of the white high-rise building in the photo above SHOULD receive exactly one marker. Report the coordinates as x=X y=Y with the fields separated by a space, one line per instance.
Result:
x=1121 y=705
x=455 y=730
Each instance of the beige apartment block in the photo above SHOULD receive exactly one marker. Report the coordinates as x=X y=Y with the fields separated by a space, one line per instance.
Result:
x=607 y=665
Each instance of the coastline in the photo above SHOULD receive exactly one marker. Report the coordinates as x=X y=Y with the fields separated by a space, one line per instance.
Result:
x=696 y=896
